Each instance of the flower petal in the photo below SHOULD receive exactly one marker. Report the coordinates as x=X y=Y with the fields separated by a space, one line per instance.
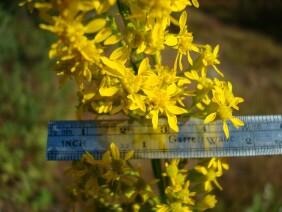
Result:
x=183 y=19
x=172 y=121
x=155 y=118
x=195 y=3
x=176 y=110
x=210 y=118
x=136 y=98
x=129 y=155
x=106 y=90
x=103 y=34
x=114 y=68
x=237 y=122
x=95 y=25
x=113 y=39
x=117 y=53
x=144 y=65
x=225 y=129
x=115 y=151
x=171 y=40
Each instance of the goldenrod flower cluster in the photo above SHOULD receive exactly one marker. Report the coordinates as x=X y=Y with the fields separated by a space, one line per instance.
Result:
x=113 y=50
x=116 y=61
x=110 y=183
x=190 y=190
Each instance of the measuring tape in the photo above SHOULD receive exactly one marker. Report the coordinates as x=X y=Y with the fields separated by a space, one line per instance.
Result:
x=261 y=135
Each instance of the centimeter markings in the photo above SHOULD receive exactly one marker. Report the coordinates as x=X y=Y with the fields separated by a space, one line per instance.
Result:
x=261 y=135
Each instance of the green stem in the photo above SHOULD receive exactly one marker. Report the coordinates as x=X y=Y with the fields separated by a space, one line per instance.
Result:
x=156 y=163
x=124 y=10
x=157 y=170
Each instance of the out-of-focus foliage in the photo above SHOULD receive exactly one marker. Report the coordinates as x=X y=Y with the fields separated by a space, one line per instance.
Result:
x=268 y=200
x=26 y=102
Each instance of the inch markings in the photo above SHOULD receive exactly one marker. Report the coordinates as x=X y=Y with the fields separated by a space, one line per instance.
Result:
x=261 y=135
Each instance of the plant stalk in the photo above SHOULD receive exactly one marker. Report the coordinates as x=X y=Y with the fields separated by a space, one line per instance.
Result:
x=157 y=170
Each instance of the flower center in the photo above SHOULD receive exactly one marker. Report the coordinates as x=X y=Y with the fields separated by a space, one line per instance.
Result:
x=184 y=42
x=224 y=112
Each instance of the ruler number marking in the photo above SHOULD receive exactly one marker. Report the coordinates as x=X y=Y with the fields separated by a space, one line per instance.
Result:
x=84 y=131
x=123 y=130
x=53 y=131
x=249 y=141
x=251 y=138
x=164 y=129
x=144 y=144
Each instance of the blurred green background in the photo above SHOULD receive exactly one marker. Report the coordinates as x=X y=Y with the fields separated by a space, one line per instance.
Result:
x=29 y=97
x=249 y=34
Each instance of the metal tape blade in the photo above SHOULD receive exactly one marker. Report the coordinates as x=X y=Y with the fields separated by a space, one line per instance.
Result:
x=261 y=135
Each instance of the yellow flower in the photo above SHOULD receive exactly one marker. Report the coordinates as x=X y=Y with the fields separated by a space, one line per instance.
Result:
x=163 y=101
x=210 y=175
x=172 y=169
x=89 y=92
x=113 y=68
x=204 y=83
x=119 y=166
x=173 y=207
x=119 y=68
x=135 y=36
x=162 y=208
x=219 y=164
x=206 y=202
x=209 y=58
x=102 y=106
x=159 y=9
x=91 y=170
x=121 y=53
x=155 y=39
x=185 y=195
x=77 y=55
x=142 y=190
x=225 y=101
x=109 y=86
x=183 y=42
x=178 y=190
x=133 y=83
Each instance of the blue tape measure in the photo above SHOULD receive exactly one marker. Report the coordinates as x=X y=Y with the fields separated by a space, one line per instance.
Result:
x=261 y=135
